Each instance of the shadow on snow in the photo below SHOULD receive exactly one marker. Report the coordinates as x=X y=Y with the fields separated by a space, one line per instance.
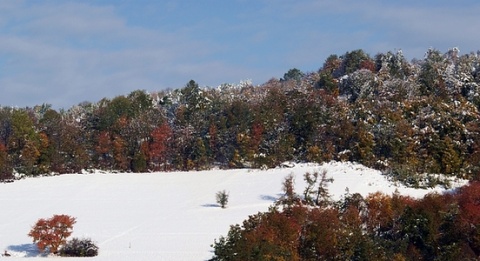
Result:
x=30 y=250
x=211 y=205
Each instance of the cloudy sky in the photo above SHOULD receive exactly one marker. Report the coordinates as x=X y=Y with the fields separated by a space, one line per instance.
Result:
x=65 y=52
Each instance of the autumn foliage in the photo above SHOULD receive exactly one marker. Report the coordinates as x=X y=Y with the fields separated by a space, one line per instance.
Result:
x=160 y=138
x=52 y=233
x=385 y=112
x=376 y=227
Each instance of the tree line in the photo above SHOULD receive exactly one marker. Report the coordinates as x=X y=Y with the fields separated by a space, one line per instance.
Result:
x=382 y=111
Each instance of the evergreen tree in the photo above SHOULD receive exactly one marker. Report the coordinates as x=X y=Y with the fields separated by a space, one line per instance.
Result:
x=293 y=74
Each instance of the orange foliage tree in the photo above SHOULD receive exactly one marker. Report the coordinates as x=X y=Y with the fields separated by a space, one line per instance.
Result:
x=50 y=234
x=104 y=149
x=160 y=138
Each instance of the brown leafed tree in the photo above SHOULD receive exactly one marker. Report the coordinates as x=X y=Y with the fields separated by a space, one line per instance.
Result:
x=160 y=138
x=104 y=149
x=380 y=215
x=50 y=234
x=120 y=153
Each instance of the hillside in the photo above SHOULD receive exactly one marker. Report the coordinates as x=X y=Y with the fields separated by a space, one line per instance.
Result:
x=404 y=118
x=162 y=216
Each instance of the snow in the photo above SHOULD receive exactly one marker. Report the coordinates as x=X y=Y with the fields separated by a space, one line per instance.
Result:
x=162 y=216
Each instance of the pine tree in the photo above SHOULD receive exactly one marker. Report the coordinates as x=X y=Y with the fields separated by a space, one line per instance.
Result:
x=222 y=198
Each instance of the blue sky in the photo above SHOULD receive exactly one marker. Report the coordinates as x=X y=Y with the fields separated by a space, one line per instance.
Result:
x=66 y=52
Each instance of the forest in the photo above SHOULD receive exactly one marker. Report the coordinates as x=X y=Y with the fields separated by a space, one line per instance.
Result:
x=382 y=227
x=406 y=118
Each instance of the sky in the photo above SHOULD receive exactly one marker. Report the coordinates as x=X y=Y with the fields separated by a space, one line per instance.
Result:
x=63 y=52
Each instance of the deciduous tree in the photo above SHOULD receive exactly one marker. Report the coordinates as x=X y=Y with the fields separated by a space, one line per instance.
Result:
x=50 y=234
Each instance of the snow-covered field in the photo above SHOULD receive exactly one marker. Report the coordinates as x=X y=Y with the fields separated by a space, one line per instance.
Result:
x=160 y=216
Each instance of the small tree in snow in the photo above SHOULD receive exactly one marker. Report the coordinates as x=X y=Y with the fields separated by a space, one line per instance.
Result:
x=323 y=195
x=222 y=198
x=50 y=234
x=319 y=196
x=311 y=180
x=290 y=198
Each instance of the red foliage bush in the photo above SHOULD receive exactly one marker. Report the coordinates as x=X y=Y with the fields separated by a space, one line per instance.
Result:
x=469 y=202
x=50 y=234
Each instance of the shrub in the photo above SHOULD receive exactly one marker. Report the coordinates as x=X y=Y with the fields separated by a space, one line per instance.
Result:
x=50 y=234
x=222 y=198
x=79 y=248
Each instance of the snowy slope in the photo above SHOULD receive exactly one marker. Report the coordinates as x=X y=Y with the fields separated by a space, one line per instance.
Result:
x=160 y=216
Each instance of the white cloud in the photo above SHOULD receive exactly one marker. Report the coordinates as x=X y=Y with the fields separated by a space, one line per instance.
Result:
x=49 y=52
x=381 y=26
